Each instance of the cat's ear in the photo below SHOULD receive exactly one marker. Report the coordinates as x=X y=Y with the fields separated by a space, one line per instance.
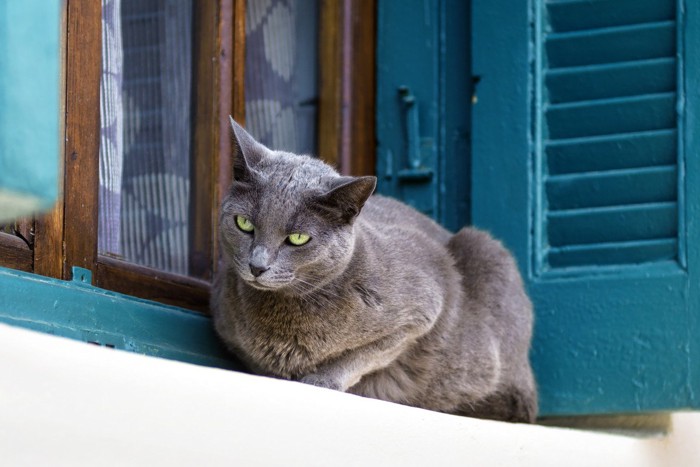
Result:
x=346 y=197
x=246 y=152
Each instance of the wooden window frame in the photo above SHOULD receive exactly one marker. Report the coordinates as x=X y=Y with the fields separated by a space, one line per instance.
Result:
x=67 y=235
x=347 y=81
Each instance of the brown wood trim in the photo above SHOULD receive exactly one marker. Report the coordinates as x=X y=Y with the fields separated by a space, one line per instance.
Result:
x=15 y=254
x=330 y=82
x=48 y=228
x=232 y=102
x=219 y=93
x=151 y=284
x=239 y=61
x=232 y=91
x=347 y=42
x=82 y=134
x=363 y=143
x=206 y=99
x=48 y=243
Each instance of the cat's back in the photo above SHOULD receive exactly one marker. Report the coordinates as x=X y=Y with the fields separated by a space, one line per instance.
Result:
x=392 y=217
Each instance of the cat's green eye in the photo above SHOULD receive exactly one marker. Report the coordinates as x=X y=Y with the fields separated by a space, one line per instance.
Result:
x=244 y=224
x=298 y=239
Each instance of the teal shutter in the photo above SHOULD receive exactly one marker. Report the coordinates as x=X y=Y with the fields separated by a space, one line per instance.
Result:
x=586 y=164
x=29 y=106
x=423 y=114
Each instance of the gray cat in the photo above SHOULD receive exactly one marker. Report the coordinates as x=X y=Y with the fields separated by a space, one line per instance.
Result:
x=323 y=284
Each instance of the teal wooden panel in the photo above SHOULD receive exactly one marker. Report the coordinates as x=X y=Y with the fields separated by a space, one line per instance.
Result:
x=611 y=152
x=566 y=15
x=612 y=116
x=633 y=101
x=29 y=90
x=79 y=311
x=408 y=40
x=614 y=253
x=424 y=47
x=456 y=90
x=618 y=79
x=612 y=187
x=612 y=224
x=613 y=276
x=625 y=43
x=689 y=121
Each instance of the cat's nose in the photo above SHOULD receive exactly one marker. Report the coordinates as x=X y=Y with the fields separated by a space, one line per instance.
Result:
x=259 y=260
x=257 y=270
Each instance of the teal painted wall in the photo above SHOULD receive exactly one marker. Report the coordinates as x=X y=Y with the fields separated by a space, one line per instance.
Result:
x=29 y=112
x=423 y=115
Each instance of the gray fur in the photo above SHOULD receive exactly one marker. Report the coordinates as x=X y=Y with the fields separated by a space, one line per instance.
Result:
x=382 y=302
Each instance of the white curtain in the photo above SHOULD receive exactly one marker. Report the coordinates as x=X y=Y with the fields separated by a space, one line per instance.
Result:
x=145 y=164
x=281 y=88
x=111 y=128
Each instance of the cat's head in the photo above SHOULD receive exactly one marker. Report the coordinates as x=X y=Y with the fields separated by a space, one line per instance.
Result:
x=287 y=221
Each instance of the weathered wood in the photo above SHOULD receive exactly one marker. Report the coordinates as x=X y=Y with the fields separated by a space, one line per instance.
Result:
x=361 y=154
x=207 y=64
x=151 y=284
x=82 y=134
x=346 y=133
x=48 y=228
x=239 y=60
x=14 y=253
x=330 y=82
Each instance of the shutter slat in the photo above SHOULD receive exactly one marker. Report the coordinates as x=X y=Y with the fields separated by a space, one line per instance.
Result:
x=634 y=252
x=613 y=224
x=615 y=44
x=609 y=134
x=611 y=116
x=612 y=188
x=610 y=152
x=572 y=15
x=611 y=80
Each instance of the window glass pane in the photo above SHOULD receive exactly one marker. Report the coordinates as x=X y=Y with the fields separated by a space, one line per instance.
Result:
x=281 y=85
x=145 y=135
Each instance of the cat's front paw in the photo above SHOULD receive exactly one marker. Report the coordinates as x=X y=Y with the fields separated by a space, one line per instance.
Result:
x=322 y=381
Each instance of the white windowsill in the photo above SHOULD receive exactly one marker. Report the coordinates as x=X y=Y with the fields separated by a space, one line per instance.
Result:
x=67 y=403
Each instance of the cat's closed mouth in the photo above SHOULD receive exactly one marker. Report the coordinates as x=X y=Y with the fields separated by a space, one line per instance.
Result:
x=257 y=284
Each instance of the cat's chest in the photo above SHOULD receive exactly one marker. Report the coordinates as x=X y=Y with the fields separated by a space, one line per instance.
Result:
x=290 y=338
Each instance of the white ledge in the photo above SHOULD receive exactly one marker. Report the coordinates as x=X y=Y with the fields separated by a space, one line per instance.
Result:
x=67 y=403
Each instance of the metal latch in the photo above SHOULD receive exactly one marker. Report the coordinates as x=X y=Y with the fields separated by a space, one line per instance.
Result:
x=415 y=171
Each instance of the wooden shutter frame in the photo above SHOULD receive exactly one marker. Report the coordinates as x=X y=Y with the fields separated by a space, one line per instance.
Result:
x=607 y=339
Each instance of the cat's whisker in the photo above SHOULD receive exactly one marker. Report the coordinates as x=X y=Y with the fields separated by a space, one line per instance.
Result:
x=325 y=291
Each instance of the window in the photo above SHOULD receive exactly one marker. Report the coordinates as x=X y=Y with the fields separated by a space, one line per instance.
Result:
x=68 y=236
x=149 y=86
x=145 y=133
x=282 y=74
